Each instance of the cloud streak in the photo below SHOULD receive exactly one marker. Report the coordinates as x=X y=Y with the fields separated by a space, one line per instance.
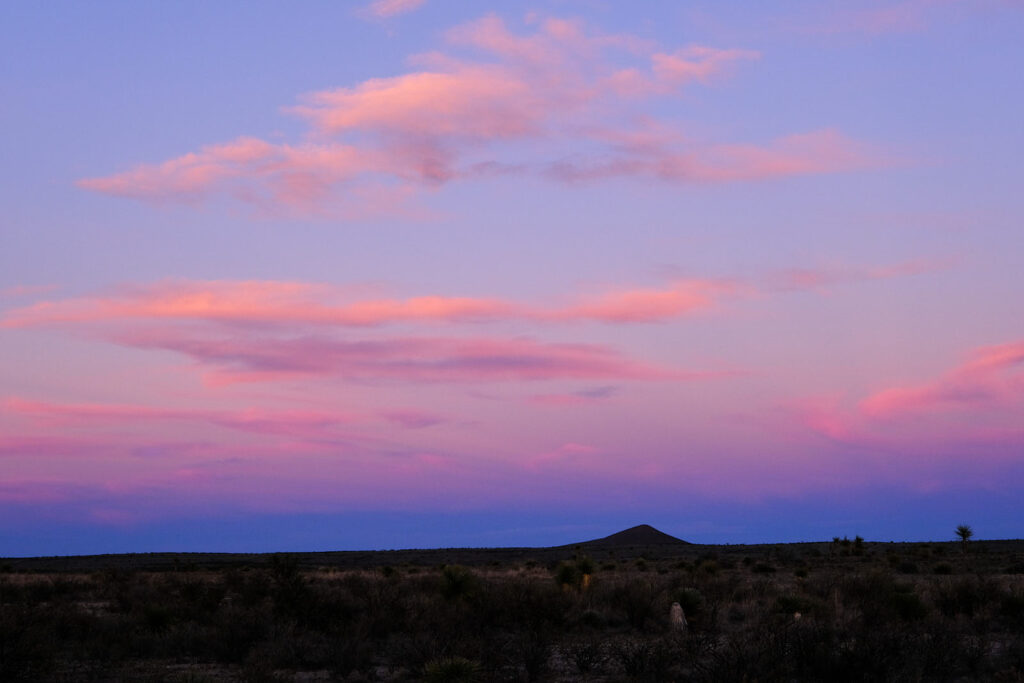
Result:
x=572 y=99
x=993 y=377
x=977 y=402
x=385 y=9
x=266 y=330
x=272 y=303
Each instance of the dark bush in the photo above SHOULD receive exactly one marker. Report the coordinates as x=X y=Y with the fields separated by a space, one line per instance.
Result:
x=458 y=582
x=691 y=600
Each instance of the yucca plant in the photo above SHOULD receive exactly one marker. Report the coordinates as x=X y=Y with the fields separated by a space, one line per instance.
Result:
x=964 y=532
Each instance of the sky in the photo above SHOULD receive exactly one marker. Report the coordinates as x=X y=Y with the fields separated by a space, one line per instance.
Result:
x=412 y=273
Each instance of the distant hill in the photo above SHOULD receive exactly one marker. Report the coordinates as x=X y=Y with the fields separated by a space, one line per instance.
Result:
x=643 y=535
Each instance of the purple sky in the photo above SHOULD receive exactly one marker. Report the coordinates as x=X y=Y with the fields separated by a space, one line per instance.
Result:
x=408 y=273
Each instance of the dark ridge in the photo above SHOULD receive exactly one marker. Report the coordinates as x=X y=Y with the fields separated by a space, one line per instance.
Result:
x=645 y=534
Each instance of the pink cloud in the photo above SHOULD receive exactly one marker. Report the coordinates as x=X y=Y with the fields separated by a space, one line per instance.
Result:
x=993 y=376
x=251 y=171
x=684 y=297
x=270 y=303
x=561 y=86
x=977 y=402
x=419 y=112
x=695 y=63
x=291 y=303
x=385 y=9
x=265 y=330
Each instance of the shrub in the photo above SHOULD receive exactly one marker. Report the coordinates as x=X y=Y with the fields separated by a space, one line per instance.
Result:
x=458 y=582
x=566 y=575
x=452 y=670
x=789 y=604
x=691 y=600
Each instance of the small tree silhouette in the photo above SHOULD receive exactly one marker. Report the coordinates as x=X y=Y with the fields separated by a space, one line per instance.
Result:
x=964 y=532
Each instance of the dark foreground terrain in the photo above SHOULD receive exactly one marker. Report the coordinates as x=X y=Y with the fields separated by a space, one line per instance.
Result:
x=843 y=610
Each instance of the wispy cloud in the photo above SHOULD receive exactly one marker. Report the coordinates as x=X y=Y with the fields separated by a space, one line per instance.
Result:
x=385 y=9
x=265 y=302
x=978 y=401
x=276 y=303
x=992 y=377
x=573 y=99
x=264 y=330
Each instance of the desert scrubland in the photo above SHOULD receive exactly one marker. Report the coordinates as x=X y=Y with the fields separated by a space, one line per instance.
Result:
x=843 y=610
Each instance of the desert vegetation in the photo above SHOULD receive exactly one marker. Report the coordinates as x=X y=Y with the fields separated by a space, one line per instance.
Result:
x=845 y=610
